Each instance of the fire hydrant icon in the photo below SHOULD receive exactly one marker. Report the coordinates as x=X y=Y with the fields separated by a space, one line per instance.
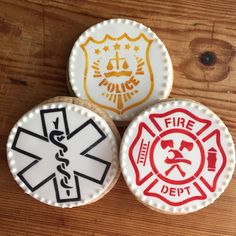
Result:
x=211 y=159
x=177 y=155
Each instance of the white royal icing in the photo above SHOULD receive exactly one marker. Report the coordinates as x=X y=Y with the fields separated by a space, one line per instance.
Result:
x=177 y=156
x=122 y=66
x=63 y=154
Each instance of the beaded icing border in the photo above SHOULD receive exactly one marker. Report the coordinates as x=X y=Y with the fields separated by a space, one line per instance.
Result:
x=230 y=153
x=168 y=75
x=86 y=113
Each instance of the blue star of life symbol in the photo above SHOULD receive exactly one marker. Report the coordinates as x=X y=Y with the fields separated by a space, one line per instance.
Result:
x=57 y=153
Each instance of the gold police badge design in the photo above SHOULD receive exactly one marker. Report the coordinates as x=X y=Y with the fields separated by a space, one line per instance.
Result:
x=121 y=66
x=119 y=69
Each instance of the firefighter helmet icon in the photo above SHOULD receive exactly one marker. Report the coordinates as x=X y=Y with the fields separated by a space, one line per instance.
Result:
x=175 y=157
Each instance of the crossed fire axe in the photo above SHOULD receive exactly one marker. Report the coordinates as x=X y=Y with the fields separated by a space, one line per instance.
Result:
x=178 y=157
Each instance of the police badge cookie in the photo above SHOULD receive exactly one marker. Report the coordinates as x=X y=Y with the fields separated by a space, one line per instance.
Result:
x=177 y=157
x=63 y=153
x=121 y=66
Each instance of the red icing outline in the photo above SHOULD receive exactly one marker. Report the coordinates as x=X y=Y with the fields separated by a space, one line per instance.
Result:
x=140 y=128
x=153 y=116
x=140 y=181
x=217 y=133
x=152 y=194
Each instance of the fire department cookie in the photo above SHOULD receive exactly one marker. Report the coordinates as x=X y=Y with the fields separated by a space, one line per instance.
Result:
x=120 y=65
x=177 y=157
x=63 y=153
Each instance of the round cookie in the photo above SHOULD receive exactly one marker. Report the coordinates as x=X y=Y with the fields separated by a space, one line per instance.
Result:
x=64 y=152
x=121 y=66
x=177 y=157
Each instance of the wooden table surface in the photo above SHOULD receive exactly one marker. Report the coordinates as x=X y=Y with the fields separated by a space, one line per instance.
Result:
x=36 y=37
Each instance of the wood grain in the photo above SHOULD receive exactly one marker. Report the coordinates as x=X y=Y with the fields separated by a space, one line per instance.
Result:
x=35 y=41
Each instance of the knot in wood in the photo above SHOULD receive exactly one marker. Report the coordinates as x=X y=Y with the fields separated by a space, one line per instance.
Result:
x=209 y=60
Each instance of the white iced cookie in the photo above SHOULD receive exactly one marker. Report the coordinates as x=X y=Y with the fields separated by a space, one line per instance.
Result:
x=122 y=66
x=63 y=154
x=177 y=157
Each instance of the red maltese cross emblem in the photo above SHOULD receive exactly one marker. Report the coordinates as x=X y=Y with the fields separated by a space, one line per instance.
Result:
x=177 y=156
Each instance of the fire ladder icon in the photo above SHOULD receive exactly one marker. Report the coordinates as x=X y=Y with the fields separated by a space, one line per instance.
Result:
x=143 y=151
